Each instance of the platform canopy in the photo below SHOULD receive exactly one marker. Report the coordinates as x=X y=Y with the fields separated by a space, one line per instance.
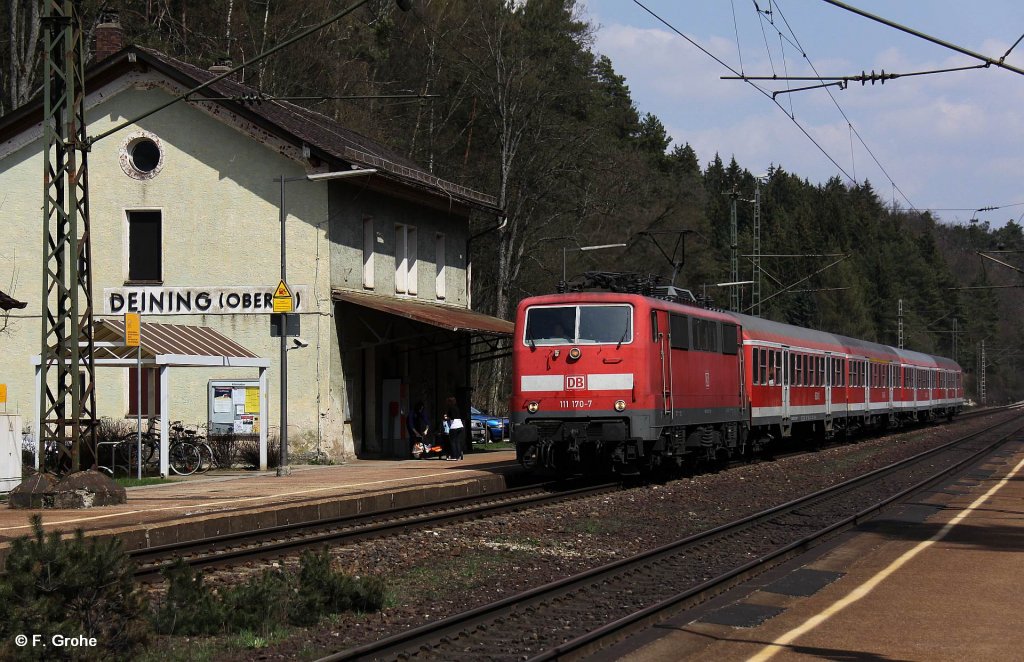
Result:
x=172 y=344
x=163 y=346
x=450 y=318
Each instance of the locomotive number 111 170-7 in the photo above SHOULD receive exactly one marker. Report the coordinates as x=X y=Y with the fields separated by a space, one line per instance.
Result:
x=576 y=404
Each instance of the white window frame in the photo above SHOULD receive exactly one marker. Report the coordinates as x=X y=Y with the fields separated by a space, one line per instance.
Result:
x=369 y=239
x=441 y=262
x=127 y=250
x=412 y=258
x=406 y=262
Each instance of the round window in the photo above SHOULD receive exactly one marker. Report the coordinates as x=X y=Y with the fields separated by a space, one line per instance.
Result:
x=141 y=155
x=145 y=155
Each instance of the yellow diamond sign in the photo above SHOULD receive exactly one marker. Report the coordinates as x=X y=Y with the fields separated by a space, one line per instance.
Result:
x=283 y=299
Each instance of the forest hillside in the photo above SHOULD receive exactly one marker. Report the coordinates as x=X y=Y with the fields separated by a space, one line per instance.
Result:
x=517 y=104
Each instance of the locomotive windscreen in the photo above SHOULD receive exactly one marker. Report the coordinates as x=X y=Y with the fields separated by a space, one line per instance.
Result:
x=562 y=325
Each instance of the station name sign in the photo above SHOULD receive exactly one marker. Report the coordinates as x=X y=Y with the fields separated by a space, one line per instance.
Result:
x=231 y=300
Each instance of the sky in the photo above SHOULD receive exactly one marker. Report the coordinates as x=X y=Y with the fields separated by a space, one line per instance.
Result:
x=949 y=142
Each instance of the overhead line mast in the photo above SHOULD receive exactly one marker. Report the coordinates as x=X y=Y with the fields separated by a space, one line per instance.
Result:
x=67 y=411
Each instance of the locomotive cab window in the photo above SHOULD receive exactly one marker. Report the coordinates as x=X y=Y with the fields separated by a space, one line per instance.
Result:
x=570 y=325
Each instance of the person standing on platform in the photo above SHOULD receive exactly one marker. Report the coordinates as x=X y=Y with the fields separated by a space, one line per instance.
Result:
x=419 y=427
x=455 y=429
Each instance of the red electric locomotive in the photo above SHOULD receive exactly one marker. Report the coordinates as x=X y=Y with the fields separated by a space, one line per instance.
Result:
x=636 y=382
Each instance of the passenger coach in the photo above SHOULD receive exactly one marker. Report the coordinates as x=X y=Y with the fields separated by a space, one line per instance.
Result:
x=636 y=382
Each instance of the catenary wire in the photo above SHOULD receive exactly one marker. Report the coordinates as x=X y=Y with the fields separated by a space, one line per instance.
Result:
x=841 y=111
x=762 y=91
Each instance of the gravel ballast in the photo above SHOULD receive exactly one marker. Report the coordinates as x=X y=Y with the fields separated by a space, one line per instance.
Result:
x=436 y=573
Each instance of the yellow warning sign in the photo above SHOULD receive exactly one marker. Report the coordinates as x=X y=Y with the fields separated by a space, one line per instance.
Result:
x=131 y=329
x=3 y=393
x=283 y=299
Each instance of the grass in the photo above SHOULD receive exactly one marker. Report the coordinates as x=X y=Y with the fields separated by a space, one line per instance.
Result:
x=138 y=482
x=495 y=446
x=436 y=582
x=172 y=648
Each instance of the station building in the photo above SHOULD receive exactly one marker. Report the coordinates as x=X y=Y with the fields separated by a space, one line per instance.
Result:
x=184 y=213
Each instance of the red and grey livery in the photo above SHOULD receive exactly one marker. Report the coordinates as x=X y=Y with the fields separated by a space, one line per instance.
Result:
x=635 y=382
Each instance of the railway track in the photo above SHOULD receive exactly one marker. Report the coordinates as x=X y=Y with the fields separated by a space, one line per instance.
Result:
x=584 y=613
x=235 y=548
x=240 y=547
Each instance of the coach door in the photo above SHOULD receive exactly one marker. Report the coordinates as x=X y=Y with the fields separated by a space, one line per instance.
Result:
x=786 y=378
x=892 y=382
x=828 y=388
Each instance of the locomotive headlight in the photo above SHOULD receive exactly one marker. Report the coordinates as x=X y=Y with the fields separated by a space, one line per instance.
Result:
x=574 y=353
x=534 y=406
x=620 y=405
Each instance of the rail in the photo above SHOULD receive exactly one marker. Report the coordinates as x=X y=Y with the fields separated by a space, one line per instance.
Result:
x=650 y=577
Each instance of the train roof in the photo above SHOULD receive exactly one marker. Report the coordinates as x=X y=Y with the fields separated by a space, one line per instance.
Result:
x=760 y=328
x=778 y=330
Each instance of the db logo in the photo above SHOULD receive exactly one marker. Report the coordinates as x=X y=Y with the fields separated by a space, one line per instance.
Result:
x=575 y=382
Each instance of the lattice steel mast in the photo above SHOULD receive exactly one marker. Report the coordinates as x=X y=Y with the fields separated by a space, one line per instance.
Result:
x=734 y=260
x=755 y=296
x=67 y=416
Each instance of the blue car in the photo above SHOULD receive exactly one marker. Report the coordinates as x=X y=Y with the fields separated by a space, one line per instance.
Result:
x=484 y=428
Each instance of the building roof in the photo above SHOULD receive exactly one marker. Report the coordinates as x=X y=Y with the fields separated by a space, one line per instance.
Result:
x=8 y=302
x=445 y=317
x=326 y=138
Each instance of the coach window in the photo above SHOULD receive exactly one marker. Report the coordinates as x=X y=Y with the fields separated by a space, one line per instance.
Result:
x=780 y=368
x=763 y=366
x=679 y=331
x=145 y=247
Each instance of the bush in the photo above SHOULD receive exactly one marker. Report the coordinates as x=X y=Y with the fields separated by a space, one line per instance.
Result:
x=248 y=452
x=190 y=606
x=72 y=588
x=325 y=591
x=259 y=605
x=225 y=449
x=265 y=601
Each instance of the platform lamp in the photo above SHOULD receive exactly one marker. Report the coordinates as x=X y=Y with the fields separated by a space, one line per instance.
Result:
x=282 y=465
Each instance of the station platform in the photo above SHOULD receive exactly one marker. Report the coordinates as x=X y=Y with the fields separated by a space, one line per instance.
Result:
x=193 y=507
x=938 y=578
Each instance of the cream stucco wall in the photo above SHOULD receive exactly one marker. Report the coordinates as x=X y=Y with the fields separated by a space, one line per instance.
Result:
x=219 y=208
x=219 y=204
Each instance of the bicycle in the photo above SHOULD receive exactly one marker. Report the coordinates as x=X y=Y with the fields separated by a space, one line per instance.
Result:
x=183 y=456
x=207 y=460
